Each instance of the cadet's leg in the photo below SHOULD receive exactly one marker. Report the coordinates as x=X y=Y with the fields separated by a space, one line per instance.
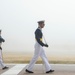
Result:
x=35 y=57
x=1 y=61
x=45 y=60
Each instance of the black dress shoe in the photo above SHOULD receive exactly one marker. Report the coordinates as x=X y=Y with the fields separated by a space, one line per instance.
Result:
x=5 y=67
x=50 y=71
x=29 y=71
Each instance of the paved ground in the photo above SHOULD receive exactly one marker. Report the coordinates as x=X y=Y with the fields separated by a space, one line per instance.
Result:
x=19 y=69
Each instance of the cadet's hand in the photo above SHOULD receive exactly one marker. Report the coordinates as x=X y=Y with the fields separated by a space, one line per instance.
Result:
x=0 y=48
x=46 y=45
x=3 y=40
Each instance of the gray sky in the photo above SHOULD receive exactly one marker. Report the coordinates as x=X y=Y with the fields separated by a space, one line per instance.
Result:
x=18 y=21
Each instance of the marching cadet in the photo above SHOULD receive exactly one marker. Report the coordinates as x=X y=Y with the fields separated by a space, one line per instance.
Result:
x=39 y=51
x=1 y=61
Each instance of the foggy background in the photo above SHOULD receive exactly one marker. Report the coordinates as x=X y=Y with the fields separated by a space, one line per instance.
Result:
x=18 y=21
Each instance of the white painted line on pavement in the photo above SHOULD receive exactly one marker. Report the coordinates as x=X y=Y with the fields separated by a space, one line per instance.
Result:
x=15 y=70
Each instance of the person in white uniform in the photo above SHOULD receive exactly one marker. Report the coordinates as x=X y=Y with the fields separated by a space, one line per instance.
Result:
x=1 y=59
x=39 y=51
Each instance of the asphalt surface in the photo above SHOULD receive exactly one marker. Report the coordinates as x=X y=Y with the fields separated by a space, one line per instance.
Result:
x=39 y=69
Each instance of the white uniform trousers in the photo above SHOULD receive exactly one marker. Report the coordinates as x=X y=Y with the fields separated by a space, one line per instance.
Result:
x=39 y=51
x=1 y=60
